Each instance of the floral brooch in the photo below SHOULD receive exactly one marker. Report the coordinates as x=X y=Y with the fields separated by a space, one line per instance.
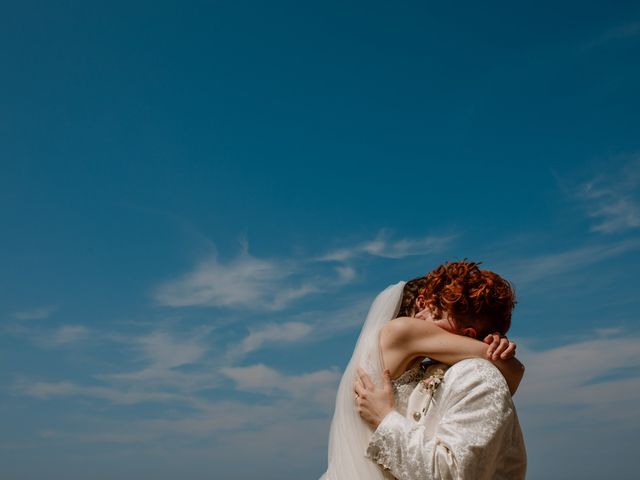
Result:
x=433 y=378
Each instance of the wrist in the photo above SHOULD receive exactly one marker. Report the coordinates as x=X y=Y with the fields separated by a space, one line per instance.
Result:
x=383 y=414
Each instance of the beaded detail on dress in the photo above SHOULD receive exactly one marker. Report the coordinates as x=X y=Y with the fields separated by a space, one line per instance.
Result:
x=404 y=385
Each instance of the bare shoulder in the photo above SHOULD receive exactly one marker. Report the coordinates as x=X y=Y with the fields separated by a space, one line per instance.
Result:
x=404 y=325
x=402 y=328
x=406 y=337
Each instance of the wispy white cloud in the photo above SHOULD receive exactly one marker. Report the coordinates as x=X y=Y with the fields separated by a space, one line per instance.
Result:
x=156 y=379
x=612 y=209
x=185 y=382
x=260 y=433
x=283 y=298
x=612 y=199
x=524 y=271
x=581 y=397
x=163 y=354
x=275 y=334
x=109 y=437
x=46 y=390
x=296 y=435
x=383 y=246
x=37 y=313
x=622 y=32
x=244 y=281
x=165 y=351
x=291 y=404
x=161 y=377
x=320 y=386
x=609 y=332
x=346 y=273
x=309 y=326
x=206 y=419
x=61 y=336
x=589 y=381
x=66 y=334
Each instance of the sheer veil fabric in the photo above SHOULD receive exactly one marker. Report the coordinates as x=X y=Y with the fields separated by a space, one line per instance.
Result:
x=349 y=435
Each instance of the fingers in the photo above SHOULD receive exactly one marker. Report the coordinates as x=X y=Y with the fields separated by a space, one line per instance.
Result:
x=363 y=384
x=502 y=346
x=360 y=391
x=509 y=352
x=493 y=340
x=359 y=387
x=499 y=347
x=365 y=379
x=489 y=339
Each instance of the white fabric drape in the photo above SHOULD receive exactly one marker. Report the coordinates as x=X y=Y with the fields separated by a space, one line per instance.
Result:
x=349 y=435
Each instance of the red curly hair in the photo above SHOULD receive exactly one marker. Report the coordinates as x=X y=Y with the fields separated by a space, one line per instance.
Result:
x=469 y=296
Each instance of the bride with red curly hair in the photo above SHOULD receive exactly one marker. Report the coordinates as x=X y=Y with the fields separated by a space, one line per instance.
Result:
x=455 y=313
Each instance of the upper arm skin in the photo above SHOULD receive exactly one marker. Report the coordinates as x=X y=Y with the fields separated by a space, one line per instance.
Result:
x=404 y=339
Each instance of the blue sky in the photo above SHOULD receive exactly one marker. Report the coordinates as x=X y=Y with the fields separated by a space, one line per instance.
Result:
x=201 y=199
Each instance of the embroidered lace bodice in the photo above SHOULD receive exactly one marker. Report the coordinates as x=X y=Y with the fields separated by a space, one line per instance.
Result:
x=403 y=387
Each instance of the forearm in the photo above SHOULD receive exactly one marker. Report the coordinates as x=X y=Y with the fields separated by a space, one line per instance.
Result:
x=446 y=347
x=405 y=339
x=450 y=349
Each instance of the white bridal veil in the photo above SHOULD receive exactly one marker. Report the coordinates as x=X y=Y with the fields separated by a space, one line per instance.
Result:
x=349 y=435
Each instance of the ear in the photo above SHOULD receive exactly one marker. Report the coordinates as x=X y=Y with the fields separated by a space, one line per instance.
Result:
x=469 y=332
x=421 y=302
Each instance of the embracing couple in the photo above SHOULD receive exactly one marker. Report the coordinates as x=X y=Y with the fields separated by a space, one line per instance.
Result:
x=427 y=393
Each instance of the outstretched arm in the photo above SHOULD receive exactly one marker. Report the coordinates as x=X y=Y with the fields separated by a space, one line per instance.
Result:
x=404 y=339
